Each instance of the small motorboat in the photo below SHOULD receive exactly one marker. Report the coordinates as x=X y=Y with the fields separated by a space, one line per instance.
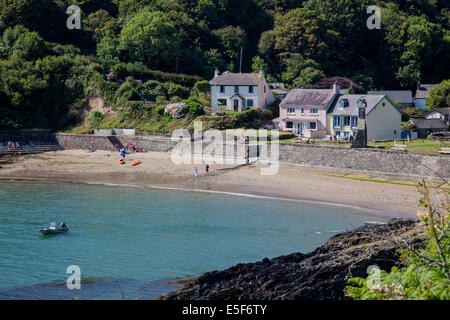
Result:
x=54 y=229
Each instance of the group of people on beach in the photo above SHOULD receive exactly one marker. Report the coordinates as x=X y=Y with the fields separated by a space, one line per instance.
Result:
x=196 y=170
x=13 y=145
x=128 y=148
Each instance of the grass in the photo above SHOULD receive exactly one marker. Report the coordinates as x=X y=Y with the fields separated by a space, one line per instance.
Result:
x=365 y=178
x=417 y=145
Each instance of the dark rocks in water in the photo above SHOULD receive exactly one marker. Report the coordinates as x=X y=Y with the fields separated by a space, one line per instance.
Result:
x=321 y=274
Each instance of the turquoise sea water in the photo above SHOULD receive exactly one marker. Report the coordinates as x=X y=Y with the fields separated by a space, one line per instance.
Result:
x=129 y=240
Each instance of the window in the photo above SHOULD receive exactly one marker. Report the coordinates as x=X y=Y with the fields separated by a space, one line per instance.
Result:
x=250 y=89
x=313 y=125
x=222 y=102
x=338 y=133
x=346 y=121
x=354 y=122
x=264 y=89
x=289 y=125
x=346 y=134
x=222 y=89
x=250 y=103
x=337 y=122
x=303 y=110
x=290 y=110
x=236 y=89
x=343 y=103
x=313 y=111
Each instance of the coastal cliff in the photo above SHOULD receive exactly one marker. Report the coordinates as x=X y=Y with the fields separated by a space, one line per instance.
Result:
x=321 y=274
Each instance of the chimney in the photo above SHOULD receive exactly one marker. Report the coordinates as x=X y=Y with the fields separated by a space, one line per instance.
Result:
x=336 y=88
x=216 y=73
x=261 y=73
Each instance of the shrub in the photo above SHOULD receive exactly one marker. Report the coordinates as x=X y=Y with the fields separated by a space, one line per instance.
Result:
x=120 y=70
x=195 y=108
x=160 y=99
x=175 y=110
x=181 y=79
x=174 y=89
x=203 y=86
x=95 y=119
x=175 y=99
x=151 y=85
x=159 y=110
x=127 y=91
x=426 y=273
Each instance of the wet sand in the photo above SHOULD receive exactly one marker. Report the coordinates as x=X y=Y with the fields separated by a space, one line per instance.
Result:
x=157 y=169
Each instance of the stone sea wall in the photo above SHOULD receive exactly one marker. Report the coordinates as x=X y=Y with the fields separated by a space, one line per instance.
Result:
x=398 y=162
x=383 y=161
x=98 y=142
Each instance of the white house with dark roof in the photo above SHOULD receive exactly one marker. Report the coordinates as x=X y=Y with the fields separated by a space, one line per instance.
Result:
x=239 y=91
x=383 y=118
x=422 y=93
x=439 y=113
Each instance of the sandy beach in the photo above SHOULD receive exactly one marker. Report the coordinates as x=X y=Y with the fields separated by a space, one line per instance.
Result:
x=157 y=169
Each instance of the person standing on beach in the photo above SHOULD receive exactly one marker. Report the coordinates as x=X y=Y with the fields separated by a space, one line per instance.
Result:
x=196 y=171
x=207 y=168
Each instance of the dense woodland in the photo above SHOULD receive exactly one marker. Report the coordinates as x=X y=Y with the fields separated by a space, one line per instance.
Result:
x=128 y=48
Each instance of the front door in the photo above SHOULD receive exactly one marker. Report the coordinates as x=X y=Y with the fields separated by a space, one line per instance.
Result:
x=296 y=127
x=304 y=127
x=236 y=105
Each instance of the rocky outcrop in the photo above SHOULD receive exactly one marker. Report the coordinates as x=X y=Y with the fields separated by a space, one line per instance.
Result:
x=321 y=274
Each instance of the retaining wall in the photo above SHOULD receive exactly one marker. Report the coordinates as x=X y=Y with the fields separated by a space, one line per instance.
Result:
x=82 y=142
x=396 y=162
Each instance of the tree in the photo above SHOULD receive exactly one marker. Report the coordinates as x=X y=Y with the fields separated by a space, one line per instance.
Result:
x=203 y=86
x=21 y=42
x=424 y=42
x=299 y=31
x=439 y=96
x=259 y=64
x=294 y=68
x=231 y=39
x=150 y=37
x=308 y=76
x=100 y=23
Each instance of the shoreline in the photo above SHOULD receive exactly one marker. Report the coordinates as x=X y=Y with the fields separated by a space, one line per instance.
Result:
x=158 y=171
x=357 y=210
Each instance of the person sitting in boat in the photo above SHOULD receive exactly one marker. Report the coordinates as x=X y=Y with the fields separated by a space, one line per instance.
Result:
x=63 y=225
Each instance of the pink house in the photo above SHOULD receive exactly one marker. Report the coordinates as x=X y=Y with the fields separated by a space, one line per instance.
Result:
x=304 y=111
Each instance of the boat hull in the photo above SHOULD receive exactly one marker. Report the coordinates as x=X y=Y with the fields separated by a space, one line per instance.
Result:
x=54 y=231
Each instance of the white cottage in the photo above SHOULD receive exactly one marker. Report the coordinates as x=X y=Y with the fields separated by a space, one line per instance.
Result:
x=238 y=91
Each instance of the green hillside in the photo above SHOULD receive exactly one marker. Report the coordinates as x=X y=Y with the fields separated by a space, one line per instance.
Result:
x=129 y=50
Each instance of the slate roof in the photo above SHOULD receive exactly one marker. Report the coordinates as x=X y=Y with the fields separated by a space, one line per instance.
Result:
x=424 y=91
x=443 y=111
x=371 y=99
x=320 y=98
x=401 y=96
x=429 y=123
x=236 y=79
